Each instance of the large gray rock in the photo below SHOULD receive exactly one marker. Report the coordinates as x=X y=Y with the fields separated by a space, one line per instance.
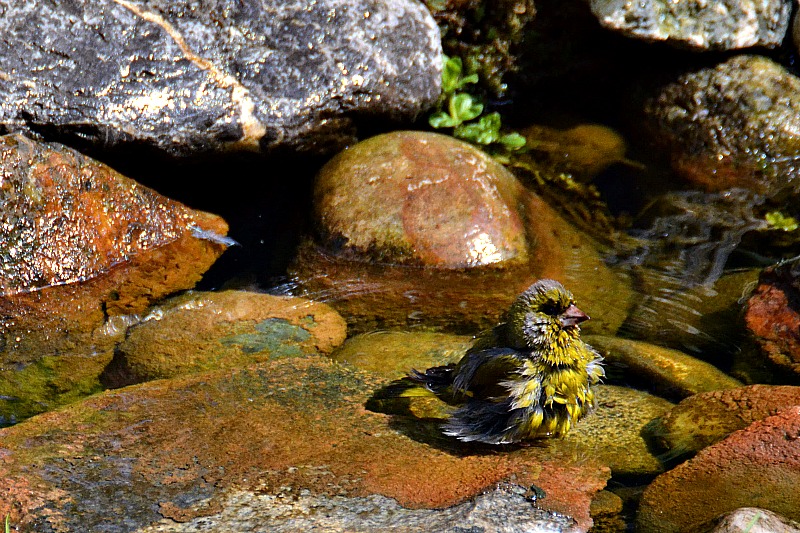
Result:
x=185 y=77
x=719 y=25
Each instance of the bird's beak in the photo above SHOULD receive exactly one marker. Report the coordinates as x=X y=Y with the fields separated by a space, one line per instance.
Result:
x=572 y=316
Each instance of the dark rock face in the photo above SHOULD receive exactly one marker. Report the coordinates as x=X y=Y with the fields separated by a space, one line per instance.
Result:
x=734 y=125
x=228 y=75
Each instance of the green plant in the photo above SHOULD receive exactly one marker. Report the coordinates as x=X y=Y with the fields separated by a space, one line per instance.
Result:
x=463 y=108
x=777 y=220
x=8 y=523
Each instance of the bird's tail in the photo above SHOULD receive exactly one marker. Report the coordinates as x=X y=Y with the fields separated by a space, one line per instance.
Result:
x=436 y=380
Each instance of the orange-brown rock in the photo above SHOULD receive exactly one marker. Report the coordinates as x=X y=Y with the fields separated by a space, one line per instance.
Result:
x=772 y=316
x=755 y=467
x=81 y=244
x=176 y=448
x=420 y=227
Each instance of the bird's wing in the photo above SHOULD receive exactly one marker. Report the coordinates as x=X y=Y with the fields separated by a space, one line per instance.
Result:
x=481 y=372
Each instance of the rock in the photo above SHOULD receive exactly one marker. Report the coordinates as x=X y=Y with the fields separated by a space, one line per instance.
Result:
x=181 y=77
x=750 y=520
x=422 y=227
x=726 y=25
x=772 y=318
x=616 y=431
x=212 y=330
x=669 y=372
x=706 y=418
x=392 y=354
x=83 y=250
x=757 y=467
x=180 y=448
x=606 y=512
x=734 y=125
x=502 y=510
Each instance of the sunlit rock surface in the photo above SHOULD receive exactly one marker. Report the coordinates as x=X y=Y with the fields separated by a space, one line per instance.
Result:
x=669 y=372
x=706 y=418
x=83 y=250
x=186 y=77
x=214 y=330
x=179 y=448
x=750 y=520
x=416 y=226
x=616 y=431
x=718 y=25
x=772 y=316
x=734 y=125
x=755 y=467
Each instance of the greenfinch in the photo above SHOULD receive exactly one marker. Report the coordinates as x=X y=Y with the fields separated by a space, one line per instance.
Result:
x=527 y=378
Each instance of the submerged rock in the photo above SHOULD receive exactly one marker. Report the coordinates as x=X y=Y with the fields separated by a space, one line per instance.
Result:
x=667 y=371
x=183 y=77
x=734 y=125
x=214 y=330
x=83 y=250
x=180 y=448
x=755 y=467
x=725 y=25
x=420 y=227
x=706 y=418
x=772 y=316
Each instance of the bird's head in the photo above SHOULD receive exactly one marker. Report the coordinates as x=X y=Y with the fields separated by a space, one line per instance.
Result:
x=543 y=315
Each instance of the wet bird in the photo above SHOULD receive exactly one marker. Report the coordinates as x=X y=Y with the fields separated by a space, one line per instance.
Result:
x=527 y=378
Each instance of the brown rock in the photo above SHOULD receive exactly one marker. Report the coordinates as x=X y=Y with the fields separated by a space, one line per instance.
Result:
x=176 y=447
x=706 y=418
x=668 y=371
x=772 y=316
x=755 y=467
x=420 y=227
x=197 y=332
x=81 y=243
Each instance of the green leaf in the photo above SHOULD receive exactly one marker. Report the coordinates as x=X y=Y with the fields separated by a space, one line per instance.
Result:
x=472 y=78
x=491 y=122
x=777 y=220
x=469 y=132
x=451 y=73
x=442 y=120
x=513 y=141
x=464 y=107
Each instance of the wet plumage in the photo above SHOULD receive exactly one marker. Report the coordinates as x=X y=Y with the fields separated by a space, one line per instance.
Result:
x=529 y=377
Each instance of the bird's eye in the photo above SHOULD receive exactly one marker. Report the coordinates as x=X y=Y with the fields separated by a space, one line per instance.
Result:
x=551 y=308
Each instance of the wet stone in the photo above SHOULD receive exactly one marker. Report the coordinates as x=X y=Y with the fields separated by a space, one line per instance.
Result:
x=616 y=431
x=750 y=520
x=725 y=25
x=84 y=250
x=204 y=331
x=669 y=372
x=185 y=77
x=772 y=318
x=418 y=227
x=706 y=418
x=180 y=448
x=758 y=466
x=734 y=125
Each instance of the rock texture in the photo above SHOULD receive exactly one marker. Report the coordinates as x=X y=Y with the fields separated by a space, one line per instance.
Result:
x=734 y=125
x=772 y=316
x=179 y=448
x=725 y=25
x=420 y=226
x=183 y=77
x=750 y=520
x=706 y=418
x=670 y=372
x=213 y=330
x=82 y=251
x=758 y=467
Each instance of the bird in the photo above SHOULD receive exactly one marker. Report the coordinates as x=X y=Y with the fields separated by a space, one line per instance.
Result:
x=530 y=377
